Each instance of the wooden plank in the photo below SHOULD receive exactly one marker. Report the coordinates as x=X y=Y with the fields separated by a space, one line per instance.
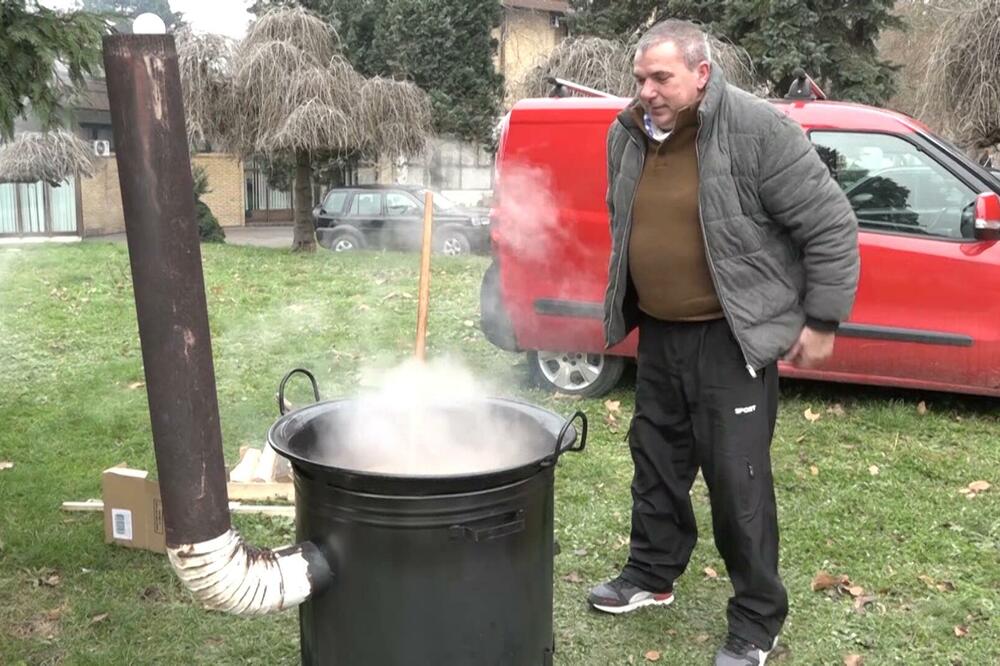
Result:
x=234 y=507
x=261 y=491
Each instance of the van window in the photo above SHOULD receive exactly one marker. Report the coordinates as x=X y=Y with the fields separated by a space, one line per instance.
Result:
x=895 y=187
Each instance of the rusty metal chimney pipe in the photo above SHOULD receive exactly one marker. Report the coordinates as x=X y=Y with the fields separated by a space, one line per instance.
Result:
x=154 y=171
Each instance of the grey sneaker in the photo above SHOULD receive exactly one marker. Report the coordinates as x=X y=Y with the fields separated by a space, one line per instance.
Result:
x=741 y=652
x=620 y=596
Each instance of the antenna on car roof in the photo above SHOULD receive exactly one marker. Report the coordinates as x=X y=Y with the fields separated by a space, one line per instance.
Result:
x=803 y=87
x=563 y=88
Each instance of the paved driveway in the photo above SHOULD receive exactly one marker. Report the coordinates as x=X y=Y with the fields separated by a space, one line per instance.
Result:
x=257 y=236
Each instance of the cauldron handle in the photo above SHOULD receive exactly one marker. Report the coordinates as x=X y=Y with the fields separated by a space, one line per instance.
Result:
x=281 y=387
x=582 y=441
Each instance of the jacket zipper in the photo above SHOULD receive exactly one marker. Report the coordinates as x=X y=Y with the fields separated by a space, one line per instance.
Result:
x=628 y=226
x=711 y=264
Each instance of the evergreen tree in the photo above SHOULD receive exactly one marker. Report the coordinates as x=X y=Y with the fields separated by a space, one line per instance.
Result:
x=834 y=40
x=444 y=46
x=32 y=40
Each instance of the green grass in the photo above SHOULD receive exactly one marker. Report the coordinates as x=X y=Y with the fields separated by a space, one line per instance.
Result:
x=69 y=351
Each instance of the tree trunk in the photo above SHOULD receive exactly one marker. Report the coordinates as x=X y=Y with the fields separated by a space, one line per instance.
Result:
x=304 y=237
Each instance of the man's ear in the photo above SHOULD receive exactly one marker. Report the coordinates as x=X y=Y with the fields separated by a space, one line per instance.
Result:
x=704 y=73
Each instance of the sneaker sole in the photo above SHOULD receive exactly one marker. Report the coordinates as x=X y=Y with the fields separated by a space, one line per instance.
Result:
x=628 y=608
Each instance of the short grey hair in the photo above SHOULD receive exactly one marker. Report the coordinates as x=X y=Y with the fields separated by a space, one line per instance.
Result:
x=688 y=37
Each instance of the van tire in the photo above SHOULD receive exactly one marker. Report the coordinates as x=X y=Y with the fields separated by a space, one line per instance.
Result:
x=560 y=372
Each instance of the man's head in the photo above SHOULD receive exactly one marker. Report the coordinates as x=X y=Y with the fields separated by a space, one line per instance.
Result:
x=672 y=65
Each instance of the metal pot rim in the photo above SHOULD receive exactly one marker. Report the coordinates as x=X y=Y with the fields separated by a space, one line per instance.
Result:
x=279 y=437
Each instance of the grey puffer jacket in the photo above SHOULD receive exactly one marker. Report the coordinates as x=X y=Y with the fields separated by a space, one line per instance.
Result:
x=780 y=235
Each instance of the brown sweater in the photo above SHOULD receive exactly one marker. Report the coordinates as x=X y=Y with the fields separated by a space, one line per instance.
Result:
x=666 y=253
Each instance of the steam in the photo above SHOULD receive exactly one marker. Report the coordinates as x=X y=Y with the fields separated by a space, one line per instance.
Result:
x=528 y=212
x=426 y=419
x=552 y=235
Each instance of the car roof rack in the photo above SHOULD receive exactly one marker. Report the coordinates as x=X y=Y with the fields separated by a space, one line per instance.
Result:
x=563 y=88
x=803 y=87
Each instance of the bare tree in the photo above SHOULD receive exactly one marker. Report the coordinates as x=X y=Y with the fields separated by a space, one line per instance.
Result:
x=285 y=89
x=961 y=93
x=50 y=156
x=606 y=65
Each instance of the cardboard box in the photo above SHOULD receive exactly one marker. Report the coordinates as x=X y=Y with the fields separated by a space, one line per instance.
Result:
x=133 y=513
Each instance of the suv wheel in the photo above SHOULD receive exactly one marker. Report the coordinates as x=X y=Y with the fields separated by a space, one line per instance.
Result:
x=451 y=241
x=576 y=373
x=342 y=239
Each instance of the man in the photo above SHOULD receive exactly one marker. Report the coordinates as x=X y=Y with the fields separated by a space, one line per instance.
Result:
x=731 y=247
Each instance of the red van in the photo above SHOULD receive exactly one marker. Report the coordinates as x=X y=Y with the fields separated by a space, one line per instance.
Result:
x=927 y=313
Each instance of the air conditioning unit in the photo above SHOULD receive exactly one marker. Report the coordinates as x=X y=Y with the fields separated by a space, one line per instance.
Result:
x=102 y=148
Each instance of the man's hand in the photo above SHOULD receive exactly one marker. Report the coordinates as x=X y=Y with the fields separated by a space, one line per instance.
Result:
x=812 y=348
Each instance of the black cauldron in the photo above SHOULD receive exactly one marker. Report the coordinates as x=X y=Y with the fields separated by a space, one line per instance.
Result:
x=429 y=570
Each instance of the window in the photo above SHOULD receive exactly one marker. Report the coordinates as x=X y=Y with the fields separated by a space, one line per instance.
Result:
x=367 y=203
x=893 y=186
x=334 y=201
x=398 y=204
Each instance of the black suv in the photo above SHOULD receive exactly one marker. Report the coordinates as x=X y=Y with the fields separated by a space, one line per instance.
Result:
x=391 y=216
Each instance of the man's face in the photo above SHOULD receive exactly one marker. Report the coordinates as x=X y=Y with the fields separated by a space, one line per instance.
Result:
x=666 y=85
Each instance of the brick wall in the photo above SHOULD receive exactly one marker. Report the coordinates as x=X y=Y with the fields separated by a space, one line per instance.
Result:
x=227 y=188
x=101 y=200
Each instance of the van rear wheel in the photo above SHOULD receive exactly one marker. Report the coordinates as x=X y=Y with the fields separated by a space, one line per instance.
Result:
x=576 y=373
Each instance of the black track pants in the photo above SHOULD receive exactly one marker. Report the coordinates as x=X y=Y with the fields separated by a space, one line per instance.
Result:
x=697 y=406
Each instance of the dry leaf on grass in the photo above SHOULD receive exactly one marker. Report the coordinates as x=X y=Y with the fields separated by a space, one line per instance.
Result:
x=921 y=407
x=572 y=577
x=854 y=660
x=613 y=405
x=6 y=464
x=975 y=488
x=135 y=385
x=961 y=631
x=652 y=655
x=861 y=601
x=580 y=552
x=824 y=581
x=49 y=579
x=468 y=323
x=836 y=410
x=701 y=638
x=855 y=590
x=811 y=416
x=814 y=470
x=711 y=573
x=100 y=617
x=873 y=470
x=940 y=586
